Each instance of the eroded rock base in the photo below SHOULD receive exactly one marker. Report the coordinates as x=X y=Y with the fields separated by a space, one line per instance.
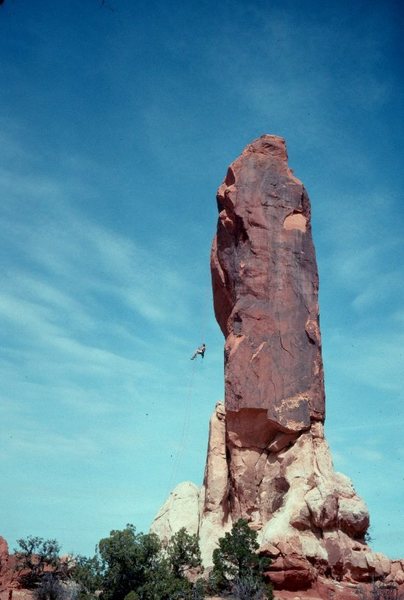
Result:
x=309 y=519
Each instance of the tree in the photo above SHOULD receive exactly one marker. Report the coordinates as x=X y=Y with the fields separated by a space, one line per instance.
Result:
x=134 y=566
x=128 y=565
x=88 y=575
x=183 y=552
x=163 y=585
x=236 y=563
x=129 y=560
x=35 y=557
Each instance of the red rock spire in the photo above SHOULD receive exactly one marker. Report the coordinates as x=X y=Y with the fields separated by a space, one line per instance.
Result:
x=268 y=460
x=265 y=285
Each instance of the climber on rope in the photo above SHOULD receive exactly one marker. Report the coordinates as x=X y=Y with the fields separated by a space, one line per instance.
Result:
x=200 y=350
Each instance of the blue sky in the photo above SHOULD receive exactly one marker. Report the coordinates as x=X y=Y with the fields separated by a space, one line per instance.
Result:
x=116 y=128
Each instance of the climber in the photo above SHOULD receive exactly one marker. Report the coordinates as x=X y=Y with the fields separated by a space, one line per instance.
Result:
x=200 y=350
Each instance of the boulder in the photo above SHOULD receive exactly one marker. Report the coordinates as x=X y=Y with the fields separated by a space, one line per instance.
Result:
x=292 y=572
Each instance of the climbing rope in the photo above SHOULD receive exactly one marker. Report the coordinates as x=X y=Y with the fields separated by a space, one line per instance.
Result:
x=189 y=397
x=185 y=429
x=183 y=443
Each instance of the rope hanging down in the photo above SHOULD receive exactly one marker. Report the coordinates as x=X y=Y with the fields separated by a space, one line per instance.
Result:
x=189 y=396
x=185 y=430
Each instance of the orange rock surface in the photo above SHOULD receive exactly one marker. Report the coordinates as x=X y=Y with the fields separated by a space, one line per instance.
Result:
x=265 y=288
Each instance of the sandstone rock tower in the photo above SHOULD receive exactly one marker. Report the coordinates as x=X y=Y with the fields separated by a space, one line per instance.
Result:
x=267 y=458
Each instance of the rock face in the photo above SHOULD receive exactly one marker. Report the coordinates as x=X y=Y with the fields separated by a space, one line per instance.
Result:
x=265 y=287
x=180 y=510
x=267 y=459
x=8 y=577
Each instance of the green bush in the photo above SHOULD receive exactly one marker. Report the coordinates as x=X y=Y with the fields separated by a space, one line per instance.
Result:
x=199 y=590
x=128 y=566
x=128 y=560
x=87 y=573
x=236 y=565
x=183 y=552
x=134 y=565
x=165 y=586
x=132 y=596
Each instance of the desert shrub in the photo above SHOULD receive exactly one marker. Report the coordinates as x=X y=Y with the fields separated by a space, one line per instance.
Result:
x=52 y=588
x=35 y=558
x=132 y=596
x=183 y=552
x=237 y=566
x=249 y=587
x=49 y=588
x=380 y=591
x=72 y=590
x=135 y=566
x=165 y=586
x=199 y=590
x=87 y=574
x=129 y=560
x=128 y=566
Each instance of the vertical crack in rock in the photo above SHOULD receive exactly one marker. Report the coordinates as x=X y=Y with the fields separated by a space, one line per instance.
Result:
x=267 y=458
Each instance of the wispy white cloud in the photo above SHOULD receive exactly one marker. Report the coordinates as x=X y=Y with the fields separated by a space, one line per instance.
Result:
x=89 y=323
x=366 y=426
x=365 y=341
x=379 y=289
x=97 y=261
x=373 y=359
x=37 y=443
x=368 y=454
x=297 y=66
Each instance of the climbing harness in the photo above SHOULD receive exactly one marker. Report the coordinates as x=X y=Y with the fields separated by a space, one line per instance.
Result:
x=200 y=350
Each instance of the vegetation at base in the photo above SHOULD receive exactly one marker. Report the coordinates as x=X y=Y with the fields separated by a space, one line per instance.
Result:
x=380 y=590
x=183 y=552
x=53 y=588
x=237 y=566
x=135 y=566
x=127 y=566
x=87 y=573
x=36 y=558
